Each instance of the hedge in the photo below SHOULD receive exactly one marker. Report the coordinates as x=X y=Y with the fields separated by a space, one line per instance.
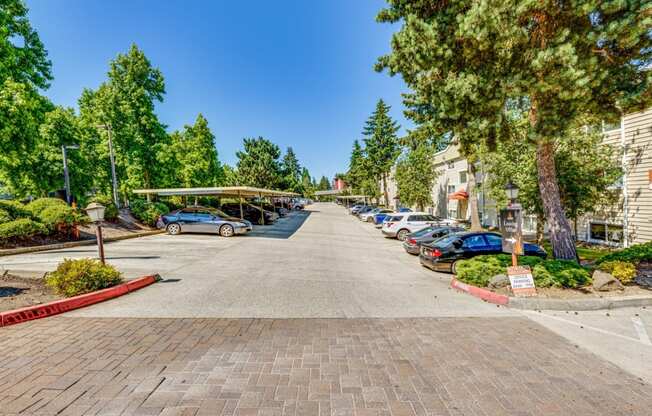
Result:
x=148 y=212
x=633 y=254
x=15 y=209
x=41 y=204
x=4 y=216
x=76 y=277
x=479 y=270
x=21 y=228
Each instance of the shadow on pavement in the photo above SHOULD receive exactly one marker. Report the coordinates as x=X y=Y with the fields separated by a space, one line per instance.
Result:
x=283 y=228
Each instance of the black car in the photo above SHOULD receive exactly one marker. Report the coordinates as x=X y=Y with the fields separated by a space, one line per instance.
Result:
x=442 y=254
x=249 y=212
x=413 y=242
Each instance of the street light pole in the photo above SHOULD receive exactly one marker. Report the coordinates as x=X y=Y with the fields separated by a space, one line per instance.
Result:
x=66 y=175
x=114 y=178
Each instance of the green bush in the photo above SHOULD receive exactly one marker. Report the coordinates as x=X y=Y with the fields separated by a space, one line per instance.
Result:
x=147 y=212
x=479 y=270
x=633 y=254
x=76 y=277
x=621 y=270
x=15 y=209
x=21 y=228
x=4 y=216
x=41 y=204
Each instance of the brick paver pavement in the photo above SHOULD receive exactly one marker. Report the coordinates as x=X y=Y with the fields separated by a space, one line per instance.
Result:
x=274 y=367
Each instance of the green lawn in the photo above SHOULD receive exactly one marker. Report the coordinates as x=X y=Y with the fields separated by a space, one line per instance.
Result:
x=585 y=253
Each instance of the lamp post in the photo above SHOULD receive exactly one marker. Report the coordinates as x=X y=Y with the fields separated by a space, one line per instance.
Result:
x=96 y=212
x=511 y=190
x=114 y=179
x=66 y=175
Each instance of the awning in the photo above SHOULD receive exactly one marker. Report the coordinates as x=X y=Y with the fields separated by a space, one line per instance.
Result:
x=458 y=196
x=243 y=191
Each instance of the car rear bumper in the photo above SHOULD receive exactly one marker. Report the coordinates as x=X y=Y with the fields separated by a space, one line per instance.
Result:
x=412 y=249
x=434 y=264
x=389 y=233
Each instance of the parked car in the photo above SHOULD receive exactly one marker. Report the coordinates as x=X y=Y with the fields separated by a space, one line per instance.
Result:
x=250 y=212
x=380 y=217
x=281 y=211
x=399 y=225
x=202 y=220
x=369 y=216
x=413 y=242
x=364 y=210
x=444 y=253
x=357 y=208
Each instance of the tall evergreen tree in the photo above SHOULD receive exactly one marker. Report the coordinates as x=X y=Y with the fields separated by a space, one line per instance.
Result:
x=467 y=60
x=291 y=172
x=381 y=145
x=324 y=184
x=307 y=183
x=258 y=163
x=356 y=173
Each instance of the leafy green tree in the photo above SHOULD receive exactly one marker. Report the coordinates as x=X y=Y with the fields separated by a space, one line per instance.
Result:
x=291 y=172
x=324 y=184
x=125 y=104
x=258 y=163
x=23 y=57
x=230 y=176
x=586 y=169
x=466 y=60
x=416 y=174
x=381 y=145
x=194 y=151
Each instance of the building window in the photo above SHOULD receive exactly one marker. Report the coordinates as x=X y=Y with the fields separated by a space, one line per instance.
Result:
x=452 y=213
x=605 y=233
x=463 y=176
x=451 y=165
x=451 y=189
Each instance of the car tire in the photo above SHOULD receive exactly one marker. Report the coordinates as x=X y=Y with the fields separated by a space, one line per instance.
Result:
x=173 y=229
x=227 y=230
x=370 y=219
x=401 y=235
x=454 y=267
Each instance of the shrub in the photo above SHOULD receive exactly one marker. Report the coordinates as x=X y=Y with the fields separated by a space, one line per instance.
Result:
x=15 y=209
x=479 y=270
x=21 y=228
x=4 y=216
x=41 y=204
x=621 y=270
x=76 y=277
x=147 y=212
x=633 y=254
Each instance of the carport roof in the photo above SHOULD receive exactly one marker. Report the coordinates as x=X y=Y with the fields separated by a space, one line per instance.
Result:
x=329 y=192
x=246 y=191
x=353 y=196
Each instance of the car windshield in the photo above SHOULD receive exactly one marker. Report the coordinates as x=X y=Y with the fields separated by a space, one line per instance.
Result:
x=395 y=218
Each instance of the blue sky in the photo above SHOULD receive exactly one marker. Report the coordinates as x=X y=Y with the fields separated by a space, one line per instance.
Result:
x=297 y=72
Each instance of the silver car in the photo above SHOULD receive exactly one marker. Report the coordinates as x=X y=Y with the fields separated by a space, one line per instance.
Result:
x=202 y=220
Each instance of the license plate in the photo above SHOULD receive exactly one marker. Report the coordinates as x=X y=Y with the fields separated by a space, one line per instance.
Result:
x=427 y=252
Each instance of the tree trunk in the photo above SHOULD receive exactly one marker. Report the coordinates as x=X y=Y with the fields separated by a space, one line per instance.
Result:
x=541 y=221
x=561 y=235
x=473 y=199
x=385 y=194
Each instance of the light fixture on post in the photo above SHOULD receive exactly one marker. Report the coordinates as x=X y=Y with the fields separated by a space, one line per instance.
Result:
x=511 y=190
x=96 y=213
x=66 y=175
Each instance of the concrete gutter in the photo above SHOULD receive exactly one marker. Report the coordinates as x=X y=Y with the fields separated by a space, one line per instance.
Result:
x=534 y=303
x=59 y=246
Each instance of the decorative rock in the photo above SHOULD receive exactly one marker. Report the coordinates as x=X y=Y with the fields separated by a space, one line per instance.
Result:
x=498 y=281
x=605 y=282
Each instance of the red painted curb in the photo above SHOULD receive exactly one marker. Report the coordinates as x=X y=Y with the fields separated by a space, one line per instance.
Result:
x=64 y=305
x=478 y=292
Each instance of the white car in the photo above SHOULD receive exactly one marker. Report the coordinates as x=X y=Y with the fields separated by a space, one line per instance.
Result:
x=399 y=225
x=369 y=216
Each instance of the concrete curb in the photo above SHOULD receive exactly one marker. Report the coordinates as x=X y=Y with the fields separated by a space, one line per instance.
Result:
x=59 y=246
x=484 y=294
x=29 y=313
x=552 y=304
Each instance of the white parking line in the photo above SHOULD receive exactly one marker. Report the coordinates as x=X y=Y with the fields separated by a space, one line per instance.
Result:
x=641 y=331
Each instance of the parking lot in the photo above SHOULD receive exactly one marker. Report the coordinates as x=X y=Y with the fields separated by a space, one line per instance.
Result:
x=228 y=331
x=314 y=263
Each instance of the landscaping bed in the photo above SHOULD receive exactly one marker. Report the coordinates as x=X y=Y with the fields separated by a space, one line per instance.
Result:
x=621 y=273
x=18 y=292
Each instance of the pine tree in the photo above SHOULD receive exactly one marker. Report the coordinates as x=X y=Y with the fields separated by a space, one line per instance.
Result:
x=258 y=163
x=381 y=145
x=467 y=61
x=291 y=172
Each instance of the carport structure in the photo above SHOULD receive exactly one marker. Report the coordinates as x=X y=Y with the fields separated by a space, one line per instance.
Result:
x=239 y=192
x=349 y=198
